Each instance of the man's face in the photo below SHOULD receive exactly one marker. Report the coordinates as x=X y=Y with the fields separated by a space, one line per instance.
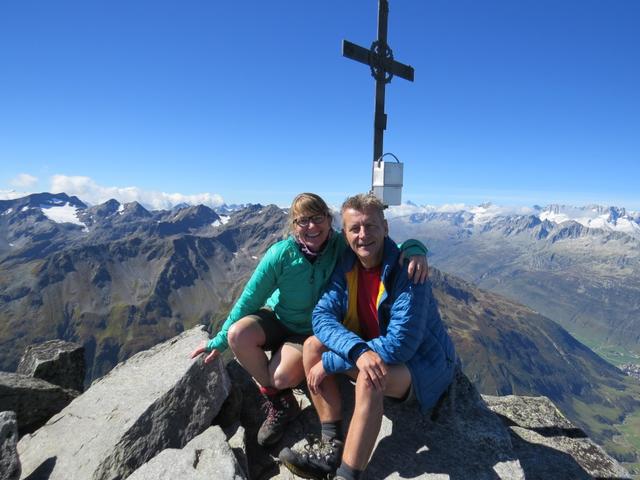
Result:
x=365 y=232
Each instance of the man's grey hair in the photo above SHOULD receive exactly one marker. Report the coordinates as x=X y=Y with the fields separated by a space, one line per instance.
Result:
x=363 y=201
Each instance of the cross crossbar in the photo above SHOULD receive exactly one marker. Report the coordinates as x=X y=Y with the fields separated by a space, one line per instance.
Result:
x=363 y=55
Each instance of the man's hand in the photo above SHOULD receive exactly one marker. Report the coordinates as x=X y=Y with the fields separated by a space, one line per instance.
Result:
x=371 y=365
x=203 y=349
x=418 y=270
x=315 y=377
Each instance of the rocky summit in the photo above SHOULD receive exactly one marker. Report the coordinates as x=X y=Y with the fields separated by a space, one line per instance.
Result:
x=151 y=418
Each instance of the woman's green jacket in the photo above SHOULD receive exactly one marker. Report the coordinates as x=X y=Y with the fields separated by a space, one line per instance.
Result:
x=290 y=285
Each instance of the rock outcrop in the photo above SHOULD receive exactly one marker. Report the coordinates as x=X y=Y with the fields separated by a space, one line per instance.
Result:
x=158 y=399
x=469 y=437
x=9 y=461
x=206 y=456
x=56 y=361
x=33 y=400
x=546 y=442
x=150 y=418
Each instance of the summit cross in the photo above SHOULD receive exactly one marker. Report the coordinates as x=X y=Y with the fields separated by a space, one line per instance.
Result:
x=383 y=67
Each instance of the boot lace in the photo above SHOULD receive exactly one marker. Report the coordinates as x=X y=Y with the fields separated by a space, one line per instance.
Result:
x=273 y=412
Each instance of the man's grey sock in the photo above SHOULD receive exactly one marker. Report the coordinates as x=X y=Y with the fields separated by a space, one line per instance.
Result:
x=331 y=430
x=348 y=473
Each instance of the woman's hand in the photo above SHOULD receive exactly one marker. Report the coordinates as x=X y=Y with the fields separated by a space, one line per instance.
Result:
x=418 y=270
x=203 y=349
x=315 y=377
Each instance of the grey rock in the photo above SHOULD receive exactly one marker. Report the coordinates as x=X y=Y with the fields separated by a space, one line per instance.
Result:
x=158 y=399
x=56 y=361
x=238 y=443
x=206 y=456
x=537 y=426
x=465 y=440
x=35 y=401
x=230 y=412
x=9 y=461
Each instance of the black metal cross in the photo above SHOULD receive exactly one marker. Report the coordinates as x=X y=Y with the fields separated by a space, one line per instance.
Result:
x=383 y=67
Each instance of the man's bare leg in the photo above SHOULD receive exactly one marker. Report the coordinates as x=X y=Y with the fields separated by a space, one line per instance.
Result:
x=327 y=401
x=367 y=414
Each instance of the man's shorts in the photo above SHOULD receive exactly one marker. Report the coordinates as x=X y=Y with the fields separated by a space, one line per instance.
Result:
x=408 y=399
x=275 y=332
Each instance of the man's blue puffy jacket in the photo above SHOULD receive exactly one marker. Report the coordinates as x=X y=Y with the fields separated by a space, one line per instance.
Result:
x=411 y=331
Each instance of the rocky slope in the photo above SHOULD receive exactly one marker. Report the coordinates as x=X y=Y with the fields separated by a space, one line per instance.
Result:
x=136 y=424
x=117 y=278
x=508 y=348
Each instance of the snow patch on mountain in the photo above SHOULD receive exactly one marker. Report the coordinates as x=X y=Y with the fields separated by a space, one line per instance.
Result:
x=62 y=213
x=223 y=219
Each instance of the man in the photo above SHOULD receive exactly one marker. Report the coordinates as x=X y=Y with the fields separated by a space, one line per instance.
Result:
x=373 y=324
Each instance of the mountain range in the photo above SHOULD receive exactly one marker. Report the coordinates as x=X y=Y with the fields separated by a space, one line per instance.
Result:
x=120 y=278
x=578 y=266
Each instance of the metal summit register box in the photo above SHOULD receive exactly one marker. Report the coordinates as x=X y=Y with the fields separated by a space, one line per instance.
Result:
x=387 y=181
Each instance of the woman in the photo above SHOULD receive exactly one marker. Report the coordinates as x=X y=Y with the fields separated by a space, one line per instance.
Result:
x=274 y=311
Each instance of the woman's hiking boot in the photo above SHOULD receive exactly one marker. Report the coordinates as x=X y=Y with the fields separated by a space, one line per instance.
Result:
x=318 y=458
x=281 y=408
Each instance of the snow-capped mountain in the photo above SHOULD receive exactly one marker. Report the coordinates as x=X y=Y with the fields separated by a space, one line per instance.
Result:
x=612 y=219
x=595 y=216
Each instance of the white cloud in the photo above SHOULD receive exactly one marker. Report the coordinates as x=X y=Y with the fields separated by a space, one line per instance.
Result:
x=89 y=191
x=11 y=194
x=24 y=180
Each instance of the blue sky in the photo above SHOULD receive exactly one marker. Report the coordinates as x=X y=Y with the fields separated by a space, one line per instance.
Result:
x=515 y=102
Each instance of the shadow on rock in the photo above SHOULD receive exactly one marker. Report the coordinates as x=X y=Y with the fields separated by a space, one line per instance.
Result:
x=44 y=470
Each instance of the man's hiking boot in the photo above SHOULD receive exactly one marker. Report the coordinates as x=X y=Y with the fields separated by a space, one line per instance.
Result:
x=317 y=459
x=281 y=408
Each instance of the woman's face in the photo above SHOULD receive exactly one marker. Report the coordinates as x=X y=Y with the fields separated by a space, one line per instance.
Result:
x=312 y=229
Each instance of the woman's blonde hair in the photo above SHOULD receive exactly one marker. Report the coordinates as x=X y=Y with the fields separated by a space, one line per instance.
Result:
x=309 y=204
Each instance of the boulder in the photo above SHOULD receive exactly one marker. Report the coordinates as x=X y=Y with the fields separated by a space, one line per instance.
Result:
x=35 y=401
x=546 y=442
x=158 y=399
x=206 y=456
x=238 y=442
x=9 y=461
x=56 y=361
